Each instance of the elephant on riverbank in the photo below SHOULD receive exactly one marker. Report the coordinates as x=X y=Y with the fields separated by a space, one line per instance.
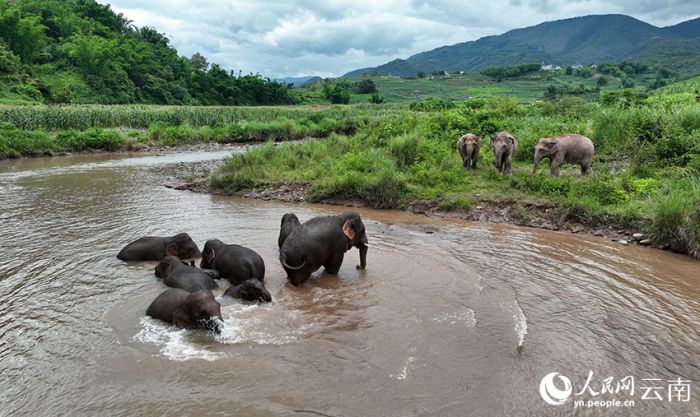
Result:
x=237 y=264
x=322 y=241
x=504 y=146
x=177 y=274
x=565 y=149
x=468 y=147
x=153 y=248
x=190 y=310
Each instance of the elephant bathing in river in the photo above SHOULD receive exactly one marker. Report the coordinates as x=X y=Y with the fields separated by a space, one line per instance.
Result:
x=191 y=310
x=243 y=267
x=321 y=241
x=468 y=147
x=504 y=147
x=565 y=149
x=178 y=274
x=151 y=248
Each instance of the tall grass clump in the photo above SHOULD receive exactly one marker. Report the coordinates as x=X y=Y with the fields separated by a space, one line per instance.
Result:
x=676 y=216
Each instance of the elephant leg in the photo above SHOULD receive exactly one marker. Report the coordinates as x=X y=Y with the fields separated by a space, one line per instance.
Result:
x=465 y=163
x=332 y=266
x=554 y=168
x=508 y=170
x=474 y=163
x=585 y=169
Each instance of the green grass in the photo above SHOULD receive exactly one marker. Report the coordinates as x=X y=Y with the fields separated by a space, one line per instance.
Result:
x=409 y=156
x=458 y=87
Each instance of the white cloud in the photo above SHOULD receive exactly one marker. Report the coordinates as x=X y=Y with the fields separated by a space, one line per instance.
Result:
x=329 y=38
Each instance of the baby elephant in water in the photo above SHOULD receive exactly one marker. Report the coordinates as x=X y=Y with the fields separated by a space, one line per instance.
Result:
x=178 y=274
x=190 y=310
x=153 y=248
x=565 y=149
x=468 y=147
x=504 y=146
x=241 y=266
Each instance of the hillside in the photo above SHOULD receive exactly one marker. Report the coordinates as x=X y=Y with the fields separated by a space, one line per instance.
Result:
x=79 y=51
x=580 y=40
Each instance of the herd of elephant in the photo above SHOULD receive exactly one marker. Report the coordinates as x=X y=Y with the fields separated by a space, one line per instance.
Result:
x=190 y=303
x=565 y=149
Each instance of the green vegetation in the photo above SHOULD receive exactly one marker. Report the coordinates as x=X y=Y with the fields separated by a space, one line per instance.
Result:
x=515 y=71
x=29 y=133
x=526 y=82
x=646 y=168
x=79 y=51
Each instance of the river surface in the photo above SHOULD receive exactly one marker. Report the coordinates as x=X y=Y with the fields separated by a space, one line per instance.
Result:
x=448 y=319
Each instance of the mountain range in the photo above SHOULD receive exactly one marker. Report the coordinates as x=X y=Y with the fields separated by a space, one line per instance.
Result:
x=580 y=40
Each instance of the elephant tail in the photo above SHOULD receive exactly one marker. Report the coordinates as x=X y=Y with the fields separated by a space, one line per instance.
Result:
x=283 y=259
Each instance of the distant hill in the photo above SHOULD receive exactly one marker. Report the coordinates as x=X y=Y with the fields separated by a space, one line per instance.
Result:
x=581 y=40
x=298 y=81
x=689 y=29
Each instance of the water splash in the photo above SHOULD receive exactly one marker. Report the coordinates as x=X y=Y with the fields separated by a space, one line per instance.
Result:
x=173 y=341
x=520 y=323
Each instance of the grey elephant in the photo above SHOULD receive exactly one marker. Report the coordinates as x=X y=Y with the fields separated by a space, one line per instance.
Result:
x=177 y=274
x=155 y=248
x=565 y=149
x=468 y=147
x=190 y=310
x=504 y=147
x=321 y=241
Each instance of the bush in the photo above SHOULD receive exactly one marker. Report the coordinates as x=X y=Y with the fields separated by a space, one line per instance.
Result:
x=365 y=87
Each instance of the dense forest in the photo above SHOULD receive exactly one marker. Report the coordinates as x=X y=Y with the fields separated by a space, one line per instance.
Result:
x=79 y=51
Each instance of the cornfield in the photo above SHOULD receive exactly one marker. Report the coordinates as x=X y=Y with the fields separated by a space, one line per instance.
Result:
x=54 y=118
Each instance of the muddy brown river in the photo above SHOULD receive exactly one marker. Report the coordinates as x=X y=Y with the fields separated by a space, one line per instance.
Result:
x=448 y=319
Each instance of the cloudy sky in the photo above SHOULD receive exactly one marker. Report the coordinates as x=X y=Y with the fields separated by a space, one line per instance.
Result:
x=332 y=37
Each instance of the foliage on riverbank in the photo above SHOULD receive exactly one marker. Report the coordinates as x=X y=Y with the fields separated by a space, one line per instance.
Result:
x=17 y=142
x=646 y=168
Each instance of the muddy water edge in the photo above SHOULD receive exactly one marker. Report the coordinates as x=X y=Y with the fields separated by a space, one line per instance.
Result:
x=450 y=318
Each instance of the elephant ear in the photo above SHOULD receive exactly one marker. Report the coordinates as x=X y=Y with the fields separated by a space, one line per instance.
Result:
x=349 y=230
x=180 y=318
x=209 y=254
x=171 y=250
x=511 y=140
x=165 y=270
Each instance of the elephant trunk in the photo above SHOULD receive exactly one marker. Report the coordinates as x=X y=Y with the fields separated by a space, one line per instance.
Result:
x=470 y=150
x=363 y=256
x=538 y=158
x=498 y=160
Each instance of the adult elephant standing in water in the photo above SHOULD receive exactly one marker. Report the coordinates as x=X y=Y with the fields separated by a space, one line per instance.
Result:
x=321 y=241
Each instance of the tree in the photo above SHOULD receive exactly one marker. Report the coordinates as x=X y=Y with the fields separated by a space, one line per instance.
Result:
x=365 y=86
x=376 y=99
x=602 y=81
x=568 y=70
x=337 y=93
x=550 y=93
x=420 y=74
x=199 y=62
